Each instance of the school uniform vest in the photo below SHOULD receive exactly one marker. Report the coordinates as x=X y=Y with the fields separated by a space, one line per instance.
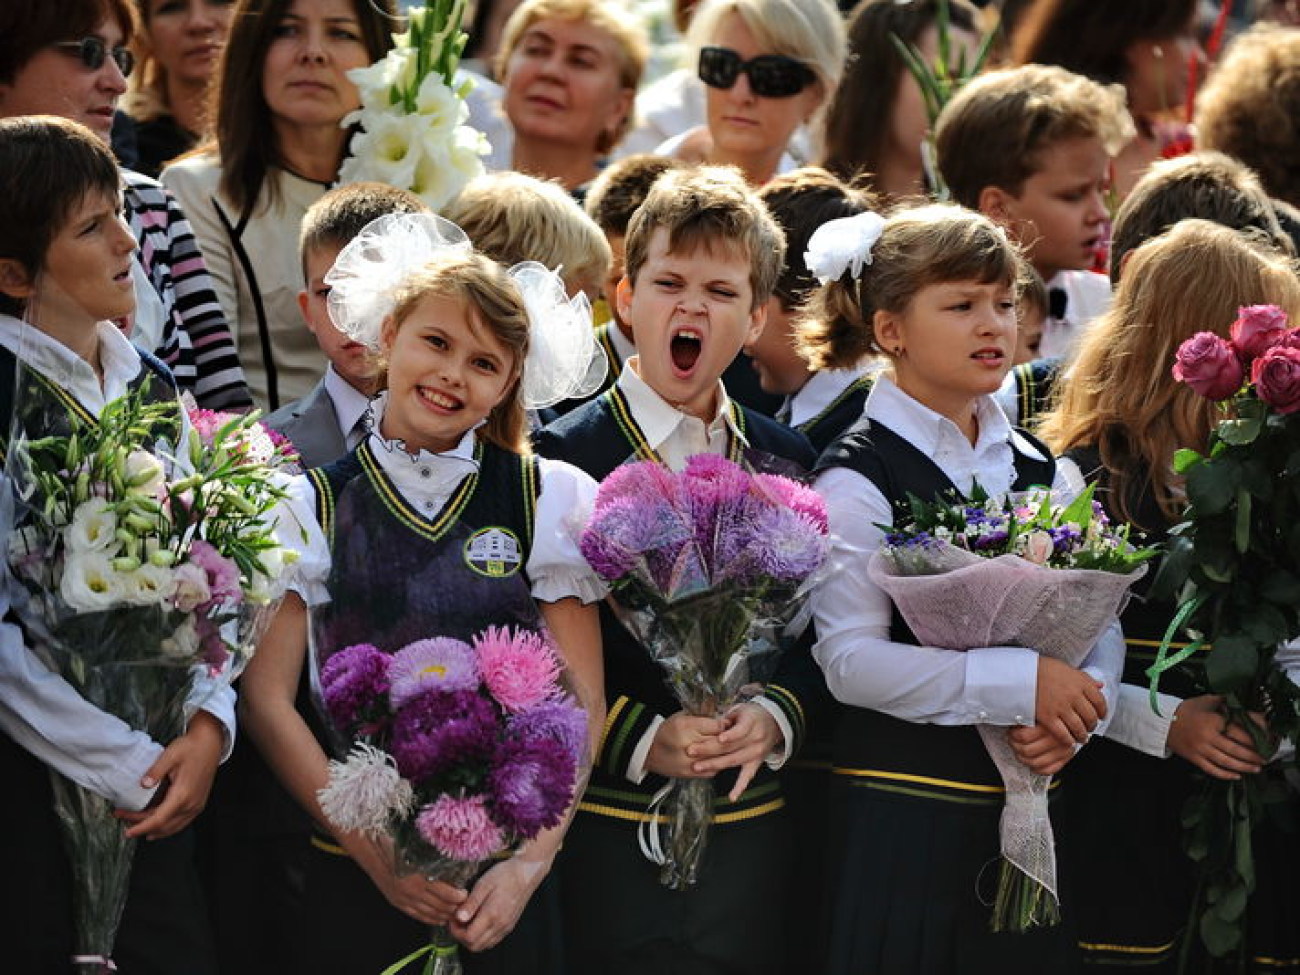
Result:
x=840 y=414
x=598 y=438
x=398 y=574
x=1035 y=384
x=941 y=761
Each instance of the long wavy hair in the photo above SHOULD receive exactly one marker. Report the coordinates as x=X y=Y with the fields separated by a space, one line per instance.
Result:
x=1120 y=395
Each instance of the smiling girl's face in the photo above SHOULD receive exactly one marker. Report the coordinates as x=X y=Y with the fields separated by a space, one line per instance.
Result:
x=446 y=373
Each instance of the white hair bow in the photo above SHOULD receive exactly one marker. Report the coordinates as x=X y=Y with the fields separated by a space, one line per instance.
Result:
x=843 y=245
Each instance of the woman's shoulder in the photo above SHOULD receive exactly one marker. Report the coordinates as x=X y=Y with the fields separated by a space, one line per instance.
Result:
x=200 y=169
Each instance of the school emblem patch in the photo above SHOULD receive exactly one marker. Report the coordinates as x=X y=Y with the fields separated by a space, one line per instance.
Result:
x=494 y=552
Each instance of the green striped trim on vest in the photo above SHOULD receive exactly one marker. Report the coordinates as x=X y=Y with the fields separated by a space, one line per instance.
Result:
x=621 y=410
x=403 y=512
x=928 y=787
x=861 y=384
x=789 y=704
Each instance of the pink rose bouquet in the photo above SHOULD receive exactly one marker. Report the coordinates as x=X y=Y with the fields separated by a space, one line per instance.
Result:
x=1233 y=561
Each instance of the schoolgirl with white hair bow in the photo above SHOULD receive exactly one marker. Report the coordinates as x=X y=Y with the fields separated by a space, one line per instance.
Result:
x=440 y=523
x=916 y=796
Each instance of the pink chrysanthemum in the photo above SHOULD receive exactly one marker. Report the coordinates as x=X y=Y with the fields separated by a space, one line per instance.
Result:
x=439 y=664
x=460 y=828
x=520 y=668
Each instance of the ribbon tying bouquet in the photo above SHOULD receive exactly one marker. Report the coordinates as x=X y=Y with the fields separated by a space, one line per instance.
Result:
x=462 y=751
x=706 y=568
x=145 y=566
x=1011 y=572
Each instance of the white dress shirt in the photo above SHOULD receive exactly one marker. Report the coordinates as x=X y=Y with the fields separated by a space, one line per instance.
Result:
x=863 y=666
x=39 y=709
x=350 y=405
x=821 y=390
x=1087 y=296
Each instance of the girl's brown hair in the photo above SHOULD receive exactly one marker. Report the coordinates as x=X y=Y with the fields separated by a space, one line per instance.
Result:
x=245 y=134
x=1120 y=395
x=918 y=247
x=493 y=305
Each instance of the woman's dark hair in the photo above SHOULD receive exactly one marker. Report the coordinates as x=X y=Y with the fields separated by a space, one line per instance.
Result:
x=244 y=132
x=1091 y=37
x=27 y=26
x=857 y=119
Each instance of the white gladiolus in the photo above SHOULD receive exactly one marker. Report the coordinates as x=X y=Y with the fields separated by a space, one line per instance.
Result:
x=93 y=527
x=90 y=583
x=387 y=151
x=439 y=107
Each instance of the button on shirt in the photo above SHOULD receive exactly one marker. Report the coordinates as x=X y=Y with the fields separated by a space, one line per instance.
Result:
x=863 y=666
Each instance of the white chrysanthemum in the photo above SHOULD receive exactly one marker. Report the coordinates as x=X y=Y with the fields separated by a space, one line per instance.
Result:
x=93 y=527
x=365 y=791
x=90 y=583
x=439 y=107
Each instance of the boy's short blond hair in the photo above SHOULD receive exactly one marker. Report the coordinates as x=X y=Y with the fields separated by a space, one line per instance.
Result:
x=709 y=206
x=995 y=129
x=512 y=217
x=343 y=212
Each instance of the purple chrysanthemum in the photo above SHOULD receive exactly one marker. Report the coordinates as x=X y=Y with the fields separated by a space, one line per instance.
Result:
x=460 y=828
x=791 y=494
x=635 y=533
x=438 y=731
x=354 y=686
x=795 y=545
x=560 y=719
x=712 y=484
x=519 y=668
x=531 y=784
x=440 y=664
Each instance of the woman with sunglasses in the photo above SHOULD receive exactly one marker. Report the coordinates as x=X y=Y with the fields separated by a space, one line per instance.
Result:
x=282 y=90
x=72 y=58
x=569 y=71
x=768 y=67
x=179 y=45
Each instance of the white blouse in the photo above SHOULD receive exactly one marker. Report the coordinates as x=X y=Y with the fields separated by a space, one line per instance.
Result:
x=863 y=666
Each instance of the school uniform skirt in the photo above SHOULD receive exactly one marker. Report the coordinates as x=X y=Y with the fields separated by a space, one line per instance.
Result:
x=912 y=882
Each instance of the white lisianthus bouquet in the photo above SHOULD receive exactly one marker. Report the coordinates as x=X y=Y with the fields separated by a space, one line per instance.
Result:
x=145 y=564
x=413 y=113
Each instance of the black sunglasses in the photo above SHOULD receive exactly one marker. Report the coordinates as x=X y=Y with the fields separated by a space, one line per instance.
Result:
x=770 y=75
x=93 y=50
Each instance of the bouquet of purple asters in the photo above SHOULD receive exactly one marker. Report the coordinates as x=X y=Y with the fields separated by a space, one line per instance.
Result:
x=462 y=751
x=706 y=568
x=1015 y=571
x=1233 y=562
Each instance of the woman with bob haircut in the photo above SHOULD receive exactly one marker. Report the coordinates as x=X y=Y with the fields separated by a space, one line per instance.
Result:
x=768 y=67
x=569 y=71
x=282 y=92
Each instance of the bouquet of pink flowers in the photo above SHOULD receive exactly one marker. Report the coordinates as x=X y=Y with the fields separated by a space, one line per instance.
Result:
x=706 y=567
x=1235 y=559
x=148 y=566
x=1012 y=572
x=462 y=751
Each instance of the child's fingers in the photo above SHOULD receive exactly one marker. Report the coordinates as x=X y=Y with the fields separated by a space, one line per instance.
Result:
x=743 y=778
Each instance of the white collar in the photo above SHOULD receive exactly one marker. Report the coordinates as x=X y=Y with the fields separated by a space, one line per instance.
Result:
x=117 y=357
x=926 y=430
x=424 y=479
x=624 y=347
x=659 y=419
x=820 y=391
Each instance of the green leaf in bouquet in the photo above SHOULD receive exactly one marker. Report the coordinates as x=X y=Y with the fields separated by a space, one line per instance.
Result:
x=1266 y=624
x=1185 y=459
x=1212 y=486
x=1231 y=663
x=1078 y=511
x=1241 y=536
x=1242 y=431
x=1220 y=936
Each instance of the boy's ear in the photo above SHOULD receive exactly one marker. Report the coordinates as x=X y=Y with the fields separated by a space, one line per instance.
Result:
x=302 y=307
x=15 y=281
x=757 y=322
x=623 y=296
x=996 y=203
